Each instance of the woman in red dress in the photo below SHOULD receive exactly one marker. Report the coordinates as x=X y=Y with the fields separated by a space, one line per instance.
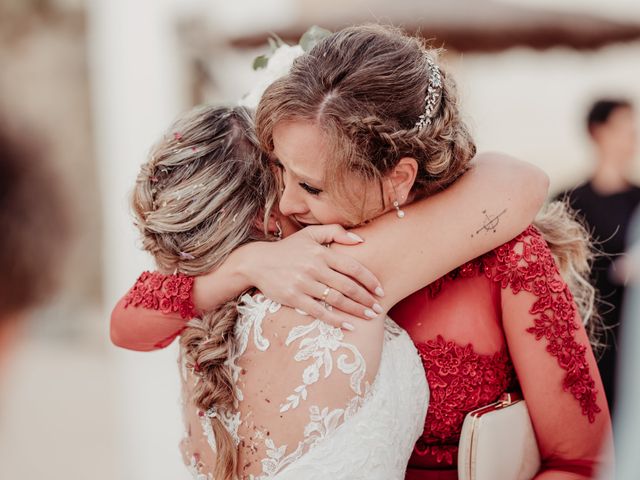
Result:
x=504 y=321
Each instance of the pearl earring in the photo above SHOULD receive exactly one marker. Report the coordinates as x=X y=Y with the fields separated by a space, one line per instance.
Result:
x=396 y=203
x=399 y=212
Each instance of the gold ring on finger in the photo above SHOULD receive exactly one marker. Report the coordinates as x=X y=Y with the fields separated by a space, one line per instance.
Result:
x=325 y=294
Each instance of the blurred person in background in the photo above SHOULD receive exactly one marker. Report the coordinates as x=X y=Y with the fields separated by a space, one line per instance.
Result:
x=606 y=202
x=34 y=232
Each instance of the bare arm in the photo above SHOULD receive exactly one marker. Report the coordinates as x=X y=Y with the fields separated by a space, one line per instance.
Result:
x=286 y=272
x=488 y=206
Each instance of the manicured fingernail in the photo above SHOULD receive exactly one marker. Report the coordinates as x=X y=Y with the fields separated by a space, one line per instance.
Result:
x=380 y=292
x=355 y=237
x=370 y=313
x=348 y=326
x=378 y=308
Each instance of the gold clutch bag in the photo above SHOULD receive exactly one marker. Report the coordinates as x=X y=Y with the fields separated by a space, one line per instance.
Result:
x=497 y=442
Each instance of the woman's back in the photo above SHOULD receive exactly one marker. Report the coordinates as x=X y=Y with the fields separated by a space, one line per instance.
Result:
x=315 y=401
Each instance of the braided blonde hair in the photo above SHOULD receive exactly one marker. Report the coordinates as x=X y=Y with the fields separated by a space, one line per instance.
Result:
x=364 y=87
x=197 y=199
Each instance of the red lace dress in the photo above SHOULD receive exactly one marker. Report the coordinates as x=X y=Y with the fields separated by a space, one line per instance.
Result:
x=503 y=321
x=507 y=321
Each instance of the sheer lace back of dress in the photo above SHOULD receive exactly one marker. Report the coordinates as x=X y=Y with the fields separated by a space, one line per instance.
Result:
x=298 y=380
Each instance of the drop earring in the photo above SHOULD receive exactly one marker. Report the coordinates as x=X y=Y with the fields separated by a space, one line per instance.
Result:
x=399 y=211
x=278 y=233
x=396 y=203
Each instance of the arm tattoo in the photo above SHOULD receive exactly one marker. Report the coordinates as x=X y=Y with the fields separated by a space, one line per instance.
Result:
x=490 y=222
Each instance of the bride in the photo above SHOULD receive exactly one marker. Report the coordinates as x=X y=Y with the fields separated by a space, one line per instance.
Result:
x=270 y=392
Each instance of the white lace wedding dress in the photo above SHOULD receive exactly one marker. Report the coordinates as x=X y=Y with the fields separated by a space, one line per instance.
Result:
x=315 y=402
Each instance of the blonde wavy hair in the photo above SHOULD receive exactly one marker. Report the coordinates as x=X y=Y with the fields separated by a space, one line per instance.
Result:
x=365 y=87
x=198 y=198
x=574 y=253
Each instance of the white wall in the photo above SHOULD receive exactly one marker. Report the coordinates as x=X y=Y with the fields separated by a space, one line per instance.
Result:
x=615 y=9
x=137 y=91
x=533 y=104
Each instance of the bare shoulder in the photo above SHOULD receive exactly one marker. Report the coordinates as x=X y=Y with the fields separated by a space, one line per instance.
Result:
x=499 y=158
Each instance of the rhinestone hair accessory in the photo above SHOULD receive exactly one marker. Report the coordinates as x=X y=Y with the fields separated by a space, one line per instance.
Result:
x=434 y=91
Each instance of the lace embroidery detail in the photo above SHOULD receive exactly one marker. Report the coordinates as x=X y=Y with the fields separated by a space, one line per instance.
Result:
x=320 y=349
x=325 y=424
x=460 y=380
x=230 y=420
x=469 y=269
x=195 y=469
x=251 y=313
x=167 y=293
x=192 y=460
x=318 y=342
x=392 y=408
x=322 y=423
x=526 y=263
x=391 y=330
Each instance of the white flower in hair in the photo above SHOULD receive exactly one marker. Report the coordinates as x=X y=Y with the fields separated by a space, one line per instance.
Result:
x=279 y=62
x=278 y=66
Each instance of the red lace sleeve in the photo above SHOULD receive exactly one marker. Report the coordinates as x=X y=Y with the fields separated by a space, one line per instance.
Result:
x=550 y=351
x=154 y=312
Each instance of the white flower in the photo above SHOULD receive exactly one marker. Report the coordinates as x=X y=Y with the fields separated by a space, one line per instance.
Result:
x=279 y=65
x=282 y=59
x=311 y=374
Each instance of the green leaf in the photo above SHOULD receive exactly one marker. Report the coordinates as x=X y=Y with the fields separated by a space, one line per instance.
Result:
x=275 y=42
x=260 y=62
x=312 y=37
x=279 y=41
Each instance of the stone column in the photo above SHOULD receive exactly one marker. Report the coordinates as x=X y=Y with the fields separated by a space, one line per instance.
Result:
x=137 y=89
